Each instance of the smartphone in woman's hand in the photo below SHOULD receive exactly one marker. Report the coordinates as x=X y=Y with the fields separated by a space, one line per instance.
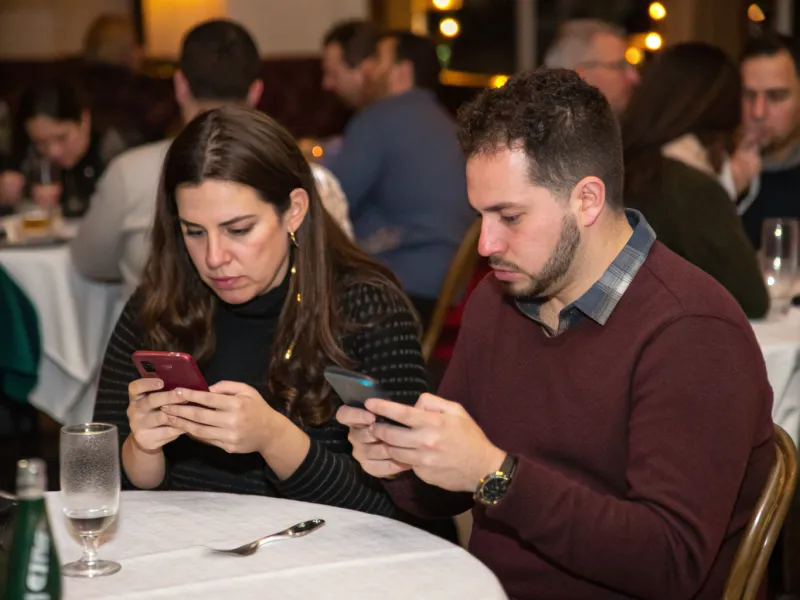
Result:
x=175 y=369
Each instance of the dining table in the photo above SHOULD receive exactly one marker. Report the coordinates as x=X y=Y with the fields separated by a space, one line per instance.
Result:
x=75 y=317
x=779 y=340
x=163 y=542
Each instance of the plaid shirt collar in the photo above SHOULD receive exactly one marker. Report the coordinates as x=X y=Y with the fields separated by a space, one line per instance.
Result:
x=599 y=301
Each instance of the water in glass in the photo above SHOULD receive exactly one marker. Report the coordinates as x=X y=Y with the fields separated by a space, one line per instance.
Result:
x=90 y=484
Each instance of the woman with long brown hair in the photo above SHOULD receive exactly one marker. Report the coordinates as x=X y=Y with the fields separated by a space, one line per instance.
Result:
x=250 y=275
x=678 y=133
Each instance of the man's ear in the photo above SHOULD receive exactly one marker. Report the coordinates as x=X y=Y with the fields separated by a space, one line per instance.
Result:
x=590 y=196
x=183 y=92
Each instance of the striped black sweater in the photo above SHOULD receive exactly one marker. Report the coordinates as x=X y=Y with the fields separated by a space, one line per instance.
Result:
x=388 y=351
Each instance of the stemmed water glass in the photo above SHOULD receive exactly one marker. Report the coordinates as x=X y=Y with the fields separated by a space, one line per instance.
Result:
x=779 y=246
x=90 y=485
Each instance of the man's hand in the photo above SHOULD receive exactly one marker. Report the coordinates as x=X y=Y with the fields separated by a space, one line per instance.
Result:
x=746 y=160
x=443 y=444
x=367 y=450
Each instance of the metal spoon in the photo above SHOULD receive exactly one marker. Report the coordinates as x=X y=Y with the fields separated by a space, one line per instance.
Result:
x=294 y=531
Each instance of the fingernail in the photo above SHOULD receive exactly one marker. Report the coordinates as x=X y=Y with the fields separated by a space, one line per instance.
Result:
x=157 y=384
x=179 y=391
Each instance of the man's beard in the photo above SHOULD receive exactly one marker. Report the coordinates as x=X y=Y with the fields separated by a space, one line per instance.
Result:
x=555 y=269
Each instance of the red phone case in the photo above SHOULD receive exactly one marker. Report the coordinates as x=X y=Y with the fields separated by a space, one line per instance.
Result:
x=175 y=369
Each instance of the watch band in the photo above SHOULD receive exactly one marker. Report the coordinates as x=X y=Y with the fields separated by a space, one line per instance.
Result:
x=508 y=466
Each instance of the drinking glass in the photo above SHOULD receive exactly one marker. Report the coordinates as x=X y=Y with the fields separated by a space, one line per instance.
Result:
x=36 y=220
x=779 y=246
x=42 y=171
x=42 y=198
x=90 y=484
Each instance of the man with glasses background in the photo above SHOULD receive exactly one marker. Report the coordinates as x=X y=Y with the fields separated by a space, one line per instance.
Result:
x=596 y=51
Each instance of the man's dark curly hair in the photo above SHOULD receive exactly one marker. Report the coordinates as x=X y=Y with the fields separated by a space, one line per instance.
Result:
x=565 y=126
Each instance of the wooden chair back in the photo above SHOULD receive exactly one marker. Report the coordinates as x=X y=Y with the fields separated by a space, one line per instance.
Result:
x=750 y=562
x=456 y=280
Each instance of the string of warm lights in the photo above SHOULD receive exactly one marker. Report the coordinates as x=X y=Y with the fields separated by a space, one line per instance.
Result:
x=639 y=43
x=450 y=27
x=652 y=40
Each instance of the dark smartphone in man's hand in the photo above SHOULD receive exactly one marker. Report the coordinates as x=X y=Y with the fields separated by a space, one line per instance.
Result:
x=356 y=388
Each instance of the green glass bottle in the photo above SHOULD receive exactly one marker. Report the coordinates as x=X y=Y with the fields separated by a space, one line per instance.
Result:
x=34 y=571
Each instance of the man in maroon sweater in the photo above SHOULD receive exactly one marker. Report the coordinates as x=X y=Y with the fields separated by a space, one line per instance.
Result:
x=608 y=413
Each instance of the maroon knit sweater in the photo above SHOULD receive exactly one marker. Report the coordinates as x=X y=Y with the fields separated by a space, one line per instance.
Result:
x=643 y=443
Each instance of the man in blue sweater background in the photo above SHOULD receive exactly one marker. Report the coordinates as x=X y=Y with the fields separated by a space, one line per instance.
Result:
x=403 y=170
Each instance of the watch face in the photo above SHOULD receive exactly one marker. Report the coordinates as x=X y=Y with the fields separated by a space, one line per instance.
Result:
x=493 y=489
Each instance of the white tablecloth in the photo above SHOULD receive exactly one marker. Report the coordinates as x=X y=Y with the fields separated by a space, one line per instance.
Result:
x=75 y=320
x=780 y=344
x=160 y=538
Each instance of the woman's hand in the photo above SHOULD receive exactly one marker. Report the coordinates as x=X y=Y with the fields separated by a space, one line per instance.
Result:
x=232 y=416
x=149 y=424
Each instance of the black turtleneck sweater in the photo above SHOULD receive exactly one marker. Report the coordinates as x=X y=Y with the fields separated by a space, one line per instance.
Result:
x=389 y=351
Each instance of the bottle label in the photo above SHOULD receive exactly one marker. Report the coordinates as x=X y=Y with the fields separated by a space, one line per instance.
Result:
x=34 y=571
x=39 y=565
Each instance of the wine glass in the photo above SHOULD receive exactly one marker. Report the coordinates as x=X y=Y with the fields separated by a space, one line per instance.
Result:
x=90 y=484
x=779 y=247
